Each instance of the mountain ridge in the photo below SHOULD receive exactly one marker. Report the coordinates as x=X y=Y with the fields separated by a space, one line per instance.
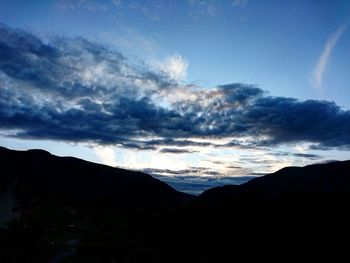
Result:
x=264 y=219
x=43 y=173
x=285 y=179
x=327 y=178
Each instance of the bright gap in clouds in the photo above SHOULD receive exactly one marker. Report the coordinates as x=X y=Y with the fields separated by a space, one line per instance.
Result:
x=193 y=172
x=106 y=155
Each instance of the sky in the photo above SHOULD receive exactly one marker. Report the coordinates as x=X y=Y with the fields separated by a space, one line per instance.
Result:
x=198 y=93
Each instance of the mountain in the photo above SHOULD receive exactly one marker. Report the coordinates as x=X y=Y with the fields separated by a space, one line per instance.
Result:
x=319 y=179
x=38 y=173
x=84 y=212
x=294 y=214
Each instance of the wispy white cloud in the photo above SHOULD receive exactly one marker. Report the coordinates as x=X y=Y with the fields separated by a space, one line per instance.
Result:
x=73 y=5
x=117 y=2
x=128 y=38
x=317 y=77
x=239 y=2
x=202 y=8
x=154 y=10
x=175 y=66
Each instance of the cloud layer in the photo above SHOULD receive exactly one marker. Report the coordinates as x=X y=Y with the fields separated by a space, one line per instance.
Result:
x=74 y=90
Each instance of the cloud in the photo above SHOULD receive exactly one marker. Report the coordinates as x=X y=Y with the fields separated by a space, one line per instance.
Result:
x=175 y=66
x=175 y=150
x=198 y=8
x=309 y=156
x=70 y=89
x=128 y=38
x=317 y=77
x=233 y=167
x=187 y=172
x=239 y=3
x=89 y=5
x=117 y=3
x=154 y=10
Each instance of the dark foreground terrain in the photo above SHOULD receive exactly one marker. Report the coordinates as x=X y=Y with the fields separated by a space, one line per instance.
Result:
x=76 y=211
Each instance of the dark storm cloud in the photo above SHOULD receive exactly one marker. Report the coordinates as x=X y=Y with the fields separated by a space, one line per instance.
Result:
x=75 y=90
x=176 y=142
x=192 y=171
x=175 y=150
x=301 y=155
x=308 y=156
x=289 y=120
x=55 y=67
x=71 y=89
x=234 y=167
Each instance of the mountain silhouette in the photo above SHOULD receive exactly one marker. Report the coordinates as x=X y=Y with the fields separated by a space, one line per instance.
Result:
x=37 y=172
x=296 y=213
x=77 y=211
x=318 y=179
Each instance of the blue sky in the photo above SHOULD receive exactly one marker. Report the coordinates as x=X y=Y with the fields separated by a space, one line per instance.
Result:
x=284 y=49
